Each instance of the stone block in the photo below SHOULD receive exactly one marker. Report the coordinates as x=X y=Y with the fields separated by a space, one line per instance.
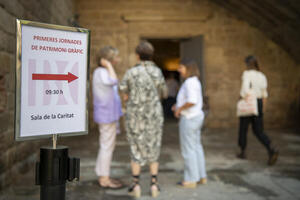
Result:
x=4 y=121
x=2 y=184
x=11 y=156
x=6 y=62
x=25 y=166
x=10 y=101
x=3 y=162
x=10 y=81
x=7 y=25
x=7 y=140
x=13 y=7
x=7 y=42
x=34 y=7
x=3 y=101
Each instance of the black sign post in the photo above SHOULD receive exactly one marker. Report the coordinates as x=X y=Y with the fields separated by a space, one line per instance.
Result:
x=53 y=170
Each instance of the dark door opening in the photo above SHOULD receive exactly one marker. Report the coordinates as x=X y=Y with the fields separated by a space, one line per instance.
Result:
x=167 y=56
x=169 y=51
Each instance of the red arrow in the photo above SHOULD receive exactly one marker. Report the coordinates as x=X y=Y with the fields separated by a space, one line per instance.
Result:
x=55 y=77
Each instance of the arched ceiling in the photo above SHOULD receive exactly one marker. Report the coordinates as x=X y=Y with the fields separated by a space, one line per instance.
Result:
x=277 y=19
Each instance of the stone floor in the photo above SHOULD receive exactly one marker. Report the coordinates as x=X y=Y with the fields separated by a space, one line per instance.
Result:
x=228 y=177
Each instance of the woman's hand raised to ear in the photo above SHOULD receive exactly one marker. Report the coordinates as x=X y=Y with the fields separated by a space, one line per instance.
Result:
x=105 y=63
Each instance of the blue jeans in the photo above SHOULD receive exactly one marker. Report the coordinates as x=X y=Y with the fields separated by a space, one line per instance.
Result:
x=191 y=148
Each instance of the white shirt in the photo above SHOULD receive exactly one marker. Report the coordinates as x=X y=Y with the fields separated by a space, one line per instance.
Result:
x=190 y=92
x=258 y=82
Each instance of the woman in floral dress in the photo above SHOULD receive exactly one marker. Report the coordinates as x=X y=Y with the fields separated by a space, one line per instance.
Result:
x=143 y=86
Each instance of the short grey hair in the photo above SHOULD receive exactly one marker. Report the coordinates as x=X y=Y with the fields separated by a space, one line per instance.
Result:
x=108 y=53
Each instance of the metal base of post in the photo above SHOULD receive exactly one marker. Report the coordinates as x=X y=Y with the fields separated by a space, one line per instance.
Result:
x=53 y=170
x=52 y=192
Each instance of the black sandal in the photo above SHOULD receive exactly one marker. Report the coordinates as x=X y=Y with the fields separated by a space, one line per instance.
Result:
x=132 y=191
x=154 y=193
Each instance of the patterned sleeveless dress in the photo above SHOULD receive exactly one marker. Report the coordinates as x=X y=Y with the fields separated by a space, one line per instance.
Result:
x=145 y=85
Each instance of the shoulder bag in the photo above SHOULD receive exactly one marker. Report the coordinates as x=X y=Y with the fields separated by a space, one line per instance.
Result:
x=247 y=106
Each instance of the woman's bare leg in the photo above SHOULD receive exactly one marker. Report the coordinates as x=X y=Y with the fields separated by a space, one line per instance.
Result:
x=154 y=172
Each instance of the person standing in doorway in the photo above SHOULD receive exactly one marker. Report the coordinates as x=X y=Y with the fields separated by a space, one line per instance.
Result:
x=188 y=108
x=107 y=112
x=143 y=86
x=253 y=78
x=173 y=87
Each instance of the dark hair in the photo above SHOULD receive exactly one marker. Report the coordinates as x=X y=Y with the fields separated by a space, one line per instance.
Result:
x=107 y=52
x=251 y=62
x=145 y=50
x=191 y=67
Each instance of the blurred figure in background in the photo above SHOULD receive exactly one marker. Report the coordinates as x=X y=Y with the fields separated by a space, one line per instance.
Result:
x=143 y=86
x=107 y=112
x=173 y=87
x=253 y=79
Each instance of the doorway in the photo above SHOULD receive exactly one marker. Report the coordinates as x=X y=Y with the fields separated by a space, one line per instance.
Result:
x=167 y=55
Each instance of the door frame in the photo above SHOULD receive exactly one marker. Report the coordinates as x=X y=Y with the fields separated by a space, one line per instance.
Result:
x=161 y=30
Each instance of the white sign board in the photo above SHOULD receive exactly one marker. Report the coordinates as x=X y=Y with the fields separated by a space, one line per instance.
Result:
x=52 y=80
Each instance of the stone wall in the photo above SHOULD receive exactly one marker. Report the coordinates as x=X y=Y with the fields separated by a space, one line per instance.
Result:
x=279 y=20
x=227 y=40
x=17 y=157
